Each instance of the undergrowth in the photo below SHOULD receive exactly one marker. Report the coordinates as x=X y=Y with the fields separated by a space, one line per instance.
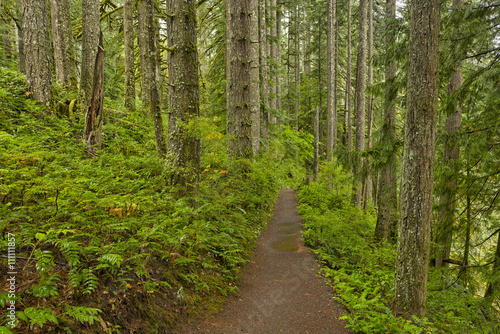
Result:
x=362 y=271
x=103 y=243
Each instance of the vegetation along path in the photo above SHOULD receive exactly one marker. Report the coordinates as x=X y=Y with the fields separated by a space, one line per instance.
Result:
x=280 y=291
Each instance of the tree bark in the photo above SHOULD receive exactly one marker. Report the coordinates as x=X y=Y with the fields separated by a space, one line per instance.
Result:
x=360 y=101
x=239 y=61
x=272 y=56
x=94 y=115
x=278 y=57
x=20 y=38
x=331 y=132
x=369 y=116
x=128 y=36
x=316 y=144
x=62 y=38
x=183 y=91
x=254 y=75
x=263 y=66
x=349 y=87
x=90 y=42
x=37 y=50
x=143 y=41
x=412 y=261
x=387 y=192
x=297 y=65
x=151 y=75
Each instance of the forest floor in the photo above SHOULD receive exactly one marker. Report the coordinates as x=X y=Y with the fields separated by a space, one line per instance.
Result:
x=280 y=289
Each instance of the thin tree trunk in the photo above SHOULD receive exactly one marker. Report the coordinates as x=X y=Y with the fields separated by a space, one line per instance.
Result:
x=254 y=75
x=360 y=102
x=412 y=261
x=152 y=77
x=387 y=192
x=37 y=50
x=94 y=116
x=128 y=35
x=143 y=41
x=368 y=180
x=90 y=42
x=331 y=132
x=297 y=66
x=278 y=57
x=263 y=66
x=62 y=38
x=349 y=87
x=316 y=144
x=272 y=57
x=183 y=92
x=239 y=120
x=6 y=26
x=20 y=38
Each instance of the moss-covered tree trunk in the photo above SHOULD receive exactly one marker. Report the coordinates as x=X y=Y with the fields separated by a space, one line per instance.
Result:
x=412 y=261
x=331 y=131
x=239 y=60
x=128 y=36
x=143 y=42
x=263 y=67
x=95 y=112
x=37 y=49
x=183 y=91
x=348 y=88
x=368 y=185
x=150 y=76
x=90 y=41
x=254 y=76
x=20 y=38
x=387 y=188
x=62 y=38
x=360 y=100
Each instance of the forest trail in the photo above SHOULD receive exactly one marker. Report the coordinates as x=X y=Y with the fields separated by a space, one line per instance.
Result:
x=280 y=290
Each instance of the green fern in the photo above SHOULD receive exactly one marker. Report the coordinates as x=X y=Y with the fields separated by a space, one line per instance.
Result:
x=83 y=314
x=38 y=316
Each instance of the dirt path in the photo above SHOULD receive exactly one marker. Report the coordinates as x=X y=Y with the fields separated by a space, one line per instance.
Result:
x=280 y=289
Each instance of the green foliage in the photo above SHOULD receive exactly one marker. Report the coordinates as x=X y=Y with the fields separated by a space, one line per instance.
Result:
x=110 y=225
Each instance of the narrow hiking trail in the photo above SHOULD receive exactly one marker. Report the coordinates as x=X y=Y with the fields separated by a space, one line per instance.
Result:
x=280 y=290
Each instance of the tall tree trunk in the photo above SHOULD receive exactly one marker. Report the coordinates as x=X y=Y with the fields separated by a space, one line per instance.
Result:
x=62 y=38
x=444 y=231
x=254 y=75
x=128 y=36
x=239 y=120
x=90 y=41
x=6 y=27
x=307 y=68
x=331 y=132
x=369 y=117
x=183 y=91
x=37 y=50
x=316 y=144
x=143 y=41
x=349 y=87
x=278 y=57
x=297 y=66
x=151 y=75
x=20 y=38
x=263 y=66
x=410 y=282
x=360 y=101
x=387 y=192
x=94 y=115
x=272 y=57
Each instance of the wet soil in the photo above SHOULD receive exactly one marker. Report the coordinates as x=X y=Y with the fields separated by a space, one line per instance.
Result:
x=280 y=290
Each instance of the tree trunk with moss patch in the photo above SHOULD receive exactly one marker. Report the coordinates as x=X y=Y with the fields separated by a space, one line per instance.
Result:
x=128 y=36
x=183 y=91
x=412 y=261
x=37 y=50
x=62 y=38
x=239 y=61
